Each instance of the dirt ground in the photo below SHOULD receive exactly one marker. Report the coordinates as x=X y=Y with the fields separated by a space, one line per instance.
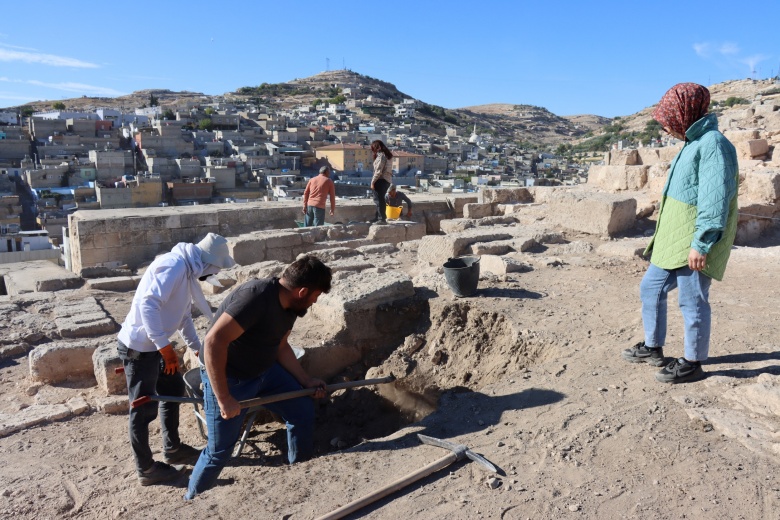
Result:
x=527 y=373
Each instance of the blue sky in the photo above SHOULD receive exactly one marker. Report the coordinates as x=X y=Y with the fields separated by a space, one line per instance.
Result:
x=572 y=57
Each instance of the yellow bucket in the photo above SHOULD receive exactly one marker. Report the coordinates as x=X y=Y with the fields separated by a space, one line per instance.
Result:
x=393 y=212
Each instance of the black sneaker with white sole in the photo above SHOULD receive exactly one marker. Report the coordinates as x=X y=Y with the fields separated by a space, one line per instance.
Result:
x=680 y=371
x=641 y=353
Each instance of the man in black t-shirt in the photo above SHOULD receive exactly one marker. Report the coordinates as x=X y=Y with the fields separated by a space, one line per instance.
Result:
x=246 y=355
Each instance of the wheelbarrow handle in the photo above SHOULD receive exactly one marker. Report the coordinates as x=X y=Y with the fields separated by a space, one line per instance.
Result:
x=258 y=401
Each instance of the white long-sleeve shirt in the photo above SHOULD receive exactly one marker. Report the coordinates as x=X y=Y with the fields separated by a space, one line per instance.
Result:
x=162 y=303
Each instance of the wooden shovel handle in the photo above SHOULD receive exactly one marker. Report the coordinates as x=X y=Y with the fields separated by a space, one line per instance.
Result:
x=258 y=401
x=390 y=488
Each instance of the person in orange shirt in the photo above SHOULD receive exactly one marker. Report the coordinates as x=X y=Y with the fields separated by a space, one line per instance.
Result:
x=315 y=197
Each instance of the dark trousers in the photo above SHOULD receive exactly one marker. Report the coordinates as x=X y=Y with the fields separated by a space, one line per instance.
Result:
x=380 y=189
x=144 y=374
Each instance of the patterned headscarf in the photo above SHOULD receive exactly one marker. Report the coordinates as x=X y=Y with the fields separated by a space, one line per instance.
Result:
x=681 y=106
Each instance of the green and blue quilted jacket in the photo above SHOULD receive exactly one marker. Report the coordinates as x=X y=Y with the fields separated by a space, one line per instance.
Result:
x=699 y=203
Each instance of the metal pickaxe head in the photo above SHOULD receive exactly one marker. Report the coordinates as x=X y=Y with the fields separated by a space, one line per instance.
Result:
x=459 y=450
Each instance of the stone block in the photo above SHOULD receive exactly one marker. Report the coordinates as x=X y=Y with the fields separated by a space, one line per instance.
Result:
x=281 y=239
x=656 y=177
x=247 y=249
x=456 y=225
x=490 y=248
x=199 y=219
x=352 y=303
x=592 y=212
x=477 y=210
x=764 y=110
x=334 y=253
x=40 y=276
x=281 y=254
x=32 y=416
x=738 y=136
x=265 y=269
x=505 y=195
x=457 y=203
x=116 y=283
x=502 y=265
x=390 y=233
x=741 y=115
x=624 y=158
x=414 y=230
x=113 y=405
x=105 y=361
x=618 y=178
x=437 y=249
x=59 y=361
x=627 y=248
x=433 y=219
x=753 y=148
x=84 y=327
x=378 y=249
x=761 y=186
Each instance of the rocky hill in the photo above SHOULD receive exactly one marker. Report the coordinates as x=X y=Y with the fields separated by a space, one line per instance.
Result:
x=519 y=123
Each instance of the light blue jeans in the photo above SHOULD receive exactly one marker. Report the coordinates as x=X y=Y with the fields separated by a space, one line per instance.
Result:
x=298 y=415
x=693 y=290
x=314 y=216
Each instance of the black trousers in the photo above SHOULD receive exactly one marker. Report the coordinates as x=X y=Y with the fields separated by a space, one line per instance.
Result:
x=380 y=189
x=144 y=374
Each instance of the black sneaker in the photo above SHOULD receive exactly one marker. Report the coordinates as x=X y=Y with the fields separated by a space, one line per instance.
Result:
x=381 y=221
x=641 y=353
x=160 y=472
x=680 y=371
x=184 y=454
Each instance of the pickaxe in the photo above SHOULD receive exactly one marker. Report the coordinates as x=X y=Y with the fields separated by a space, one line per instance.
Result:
x=257 y=401
x=458 y=451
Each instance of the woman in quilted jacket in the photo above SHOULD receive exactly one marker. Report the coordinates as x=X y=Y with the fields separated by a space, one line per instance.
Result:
x=697 y=222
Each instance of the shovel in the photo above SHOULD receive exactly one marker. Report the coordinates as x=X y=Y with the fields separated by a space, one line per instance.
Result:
x=457 y=452
x=257 y=401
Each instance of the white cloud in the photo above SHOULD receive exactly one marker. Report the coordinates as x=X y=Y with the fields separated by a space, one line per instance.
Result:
x=702 y=49
x=728 y=48
x=7 y=54
x=80 y=88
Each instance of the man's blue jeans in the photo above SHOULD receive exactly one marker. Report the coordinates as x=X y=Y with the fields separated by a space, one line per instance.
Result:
x=298 y=415
x=314 y=216
x=693 y=289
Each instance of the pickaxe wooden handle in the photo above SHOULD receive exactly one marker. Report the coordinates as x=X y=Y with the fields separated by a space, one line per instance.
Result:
x=257 y=401
x=457 y=453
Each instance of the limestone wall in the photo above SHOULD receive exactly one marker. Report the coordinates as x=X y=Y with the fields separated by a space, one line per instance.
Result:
x=133 y=236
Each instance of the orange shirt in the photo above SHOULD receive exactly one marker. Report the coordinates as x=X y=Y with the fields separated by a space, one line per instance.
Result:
x=317 y=190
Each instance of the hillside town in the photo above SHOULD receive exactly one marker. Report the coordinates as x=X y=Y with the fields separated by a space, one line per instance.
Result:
x=193 y=150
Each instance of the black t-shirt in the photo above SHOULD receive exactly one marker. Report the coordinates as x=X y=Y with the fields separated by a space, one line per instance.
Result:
x=255 y=306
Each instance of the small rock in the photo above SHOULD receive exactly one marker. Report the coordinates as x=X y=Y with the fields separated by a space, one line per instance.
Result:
x=574 y=507
x=601 y=389
x=499 y=444
x=33 y=389
x=493 y=482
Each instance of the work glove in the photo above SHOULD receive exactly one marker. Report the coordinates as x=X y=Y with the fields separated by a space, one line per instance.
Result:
x=170 y=358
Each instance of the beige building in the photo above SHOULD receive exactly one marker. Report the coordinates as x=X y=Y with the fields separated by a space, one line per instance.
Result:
x=346 y=157
x=405 y=162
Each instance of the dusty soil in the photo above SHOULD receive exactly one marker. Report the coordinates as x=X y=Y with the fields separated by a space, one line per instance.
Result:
x=527 y=373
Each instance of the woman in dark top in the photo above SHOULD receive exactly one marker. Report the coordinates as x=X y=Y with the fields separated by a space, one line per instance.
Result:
x=383 y=176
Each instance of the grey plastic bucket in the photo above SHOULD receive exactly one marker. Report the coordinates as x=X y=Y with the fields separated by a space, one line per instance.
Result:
x=462 y=274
